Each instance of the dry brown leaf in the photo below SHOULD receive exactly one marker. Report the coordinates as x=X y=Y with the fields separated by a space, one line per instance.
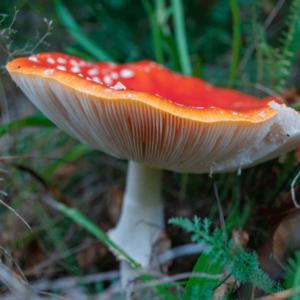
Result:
x=64 y=172
x=291 y=95
x=283 y=224
x=240 y=237
x=34 y=255
x=92 y=255
x=161 y=246
x=115 y=208
x=297 y=154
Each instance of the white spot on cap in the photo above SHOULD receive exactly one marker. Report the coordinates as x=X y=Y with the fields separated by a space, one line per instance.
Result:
x=63 y=68
x=114 y=75
x=80 y=75
x=48 y=72
x=50 y=60
x=33 y=58
x=107 y=80
x=126 y=73
x=234 y=113
x=93 y=72
x=73 y=62
x=96 y=79
x=61 y=60
x=262 y=115
x=88 y=78
x=147 y=69
x=119 y=86
x=75 y=69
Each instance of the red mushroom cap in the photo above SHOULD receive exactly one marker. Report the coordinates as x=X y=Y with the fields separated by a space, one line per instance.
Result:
x=144 y=112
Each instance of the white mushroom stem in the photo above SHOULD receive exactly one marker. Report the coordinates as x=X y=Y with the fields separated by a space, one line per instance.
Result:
x=142 y=217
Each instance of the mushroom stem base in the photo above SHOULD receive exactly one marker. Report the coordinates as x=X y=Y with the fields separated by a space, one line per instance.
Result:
x=142 y=217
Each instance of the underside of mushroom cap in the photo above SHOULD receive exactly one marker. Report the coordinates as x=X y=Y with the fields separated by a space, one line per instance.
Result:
x=154 y=116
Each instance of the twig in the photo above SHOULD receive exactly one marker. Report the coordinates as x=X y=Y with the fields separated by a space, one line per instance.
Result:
x=51 y=189
x=9 y=29
x=3 y=105
x=16 y=285
x=293 y=191
x=253 y=291
x=281 y=295
x=177 y=277
x=70 y=282
x=6 y=47
x=161 y=281
x=11 y=209
x=33 y=157
x=9 y=256
x=187 y=249
x=57 y=256
x=287 y=179
x=265 y=89
x=20 y=289
x=220 y=211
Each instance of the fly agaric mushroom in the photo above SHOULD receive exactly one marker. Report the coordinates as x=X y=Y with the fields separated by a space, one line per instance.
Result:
x=158 y=120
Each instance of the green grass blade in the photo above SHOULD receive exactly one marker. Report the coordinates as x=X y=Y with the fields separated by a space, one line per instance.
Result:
x=74 y=29
x=181 y=37
x=198 y=70
x=74 y=52
x=173 y=53
x=37 y=120
x=155 y=31
x=198 y=286
x=237 y=41
x=296 y=106
x=49 y=227
x=80 y=219
x=74 y=154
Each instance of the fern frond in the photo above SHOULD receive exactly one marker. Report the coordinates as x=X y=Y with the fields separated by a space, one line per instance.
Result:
x=293 y=270
x=242 y=263
x=291 y=43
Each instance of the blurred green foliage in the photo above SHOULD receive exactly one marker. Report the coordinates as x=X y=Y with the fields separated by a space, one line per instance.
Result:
x=132 y=30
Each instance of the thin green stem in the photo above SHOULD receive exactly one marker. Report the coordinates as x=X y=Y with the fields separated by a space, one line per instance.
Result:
x=231 y=289
x=155 y=30
x=259 y=59
x=221 y=282
x=183 y=187
x=181 y=37
x=237 y=41
x=77 y=33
